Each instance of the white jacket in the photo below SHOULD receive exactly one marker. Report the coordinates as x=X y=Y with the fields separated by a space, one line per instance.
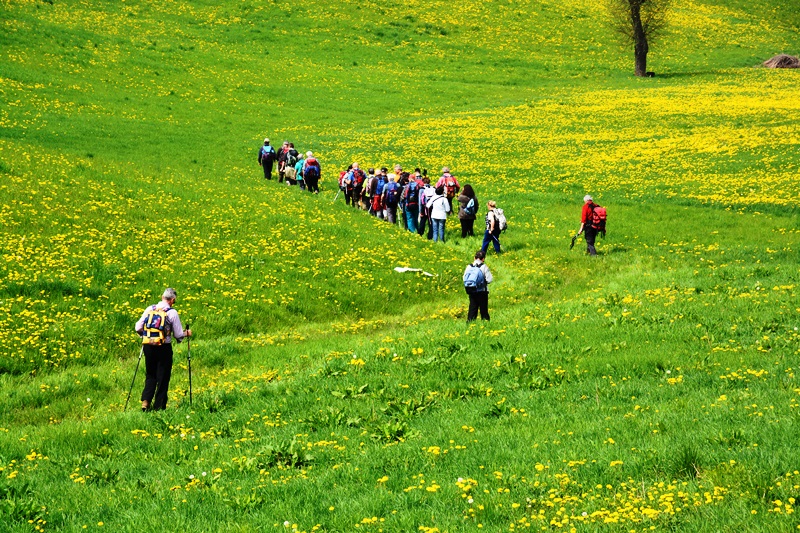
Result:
x=439 y=207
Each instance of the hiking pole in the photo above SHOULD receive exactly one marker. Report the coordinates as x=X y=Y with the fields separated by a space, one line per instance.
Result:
x=337 y=195
x=497 y=241
x=134 y=378
x=572 y=242
x=189 y=362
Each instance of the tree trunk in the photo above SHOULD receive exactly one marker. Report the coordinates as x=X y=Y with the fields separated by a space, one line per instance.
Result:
x=640 y=47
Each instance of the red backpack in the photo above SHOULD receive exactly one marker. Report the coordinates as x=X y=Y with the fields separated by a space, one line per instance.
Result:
x=599 y=216
x=450 y=185
x=358 y=178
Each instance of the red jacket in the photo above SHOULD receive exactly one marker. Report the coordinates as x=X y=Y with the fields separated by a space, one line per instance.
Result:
x=586 y=214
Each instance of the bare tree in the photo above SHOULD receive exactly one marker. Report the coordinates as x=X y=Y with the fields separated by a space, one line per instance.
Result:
x=639 y=22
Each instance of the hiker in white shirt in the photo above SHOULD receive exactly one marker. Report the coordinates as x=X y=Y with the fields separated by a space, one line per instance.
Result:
x=438 y=206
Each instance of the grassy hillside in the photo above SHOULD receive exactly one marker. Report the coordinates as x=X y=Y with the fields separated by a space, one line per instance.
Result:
x=651 y=388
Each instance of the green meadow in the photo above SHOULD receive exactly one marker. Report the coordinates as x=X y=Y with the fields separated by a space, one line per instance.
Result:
x=651 y=388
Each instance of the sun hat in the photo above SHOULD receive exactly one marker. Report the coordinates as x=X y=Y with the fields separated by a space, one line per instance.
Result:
x=588 y=198
x=266 y=140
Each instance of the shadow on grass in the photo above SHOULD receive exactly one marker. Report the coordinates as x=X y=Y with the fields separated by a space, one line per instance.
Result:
x=681 y=75
x=613 y=250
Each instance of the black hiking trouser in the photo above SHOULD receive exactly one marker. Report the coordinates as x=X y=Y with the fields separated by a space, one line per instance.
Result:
x=312 y=183
x=590 y=234
x=267 y=166
x=423 y=221
x=158 y=370
x=478 y=301
x=467 y=227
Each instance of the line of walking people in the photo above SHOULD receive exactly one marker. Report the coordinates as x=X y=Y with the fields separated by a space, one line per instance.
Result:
x=411 y=198
x=417 y=204
x=294 y=168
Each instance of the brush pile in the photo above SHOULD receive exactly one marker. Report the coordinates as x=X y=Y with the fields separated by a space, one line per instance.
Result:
x=782 y=61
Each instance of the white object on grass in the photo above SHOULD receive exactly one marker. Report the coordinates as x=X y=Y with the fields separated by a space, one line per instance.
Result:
x=407 y=269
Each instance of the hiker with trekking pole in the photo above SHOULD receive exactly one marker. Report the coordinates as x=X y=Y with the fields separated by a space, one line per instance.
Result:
x=158 y=326
x=495 y=225
x=593 y=221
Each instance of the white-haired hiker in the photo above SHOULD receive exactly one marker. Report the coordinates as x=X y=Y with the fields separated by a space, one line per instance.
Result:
x=312 y=172
x=159 y=325
x=589 y=231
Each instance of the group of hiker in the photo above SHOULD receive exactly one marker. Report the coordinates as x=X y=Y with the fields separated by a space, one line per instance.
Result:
x=410 y=198
x=294 y=168
x=419 y=204
x=411 y=195
x=418 y=201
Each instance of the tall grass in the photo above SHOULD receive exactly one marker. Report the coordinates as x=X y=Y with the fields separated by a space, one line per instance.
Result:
x=650 y=387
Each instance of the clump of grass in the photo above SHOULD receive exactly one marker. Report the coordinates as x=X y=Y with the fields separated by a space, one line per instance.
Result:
x=285 y=454
x=687 y=462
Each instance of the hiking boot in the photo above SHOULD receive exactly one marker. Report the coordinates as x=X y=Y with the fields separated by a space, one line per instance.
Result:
x=145 y=405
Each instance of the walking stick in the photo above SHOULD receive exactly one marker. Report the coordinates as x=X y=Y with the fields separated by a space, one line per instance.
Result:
x=189 y=362
x=337 y=195
x=134 y=378
x=497 y=241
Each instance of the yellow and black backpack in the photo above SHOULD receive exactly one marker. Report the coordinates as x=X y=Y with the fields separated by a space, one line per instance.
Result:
x=155 y=325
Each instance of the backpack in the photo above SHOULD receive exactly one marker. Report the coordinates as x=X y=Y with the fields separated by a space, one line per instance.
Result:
x=379 y=187
x=155 y=325
x=391 y=193
x=599 y=219
x=343 y=181
x=312 y=169
x=428 y=192
x=412 y=193
x=474 y=280
x=471 y=208
x=291 y=159
x=500 y=219
x=450 y=185
x=267 y=155
x=359 y=177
